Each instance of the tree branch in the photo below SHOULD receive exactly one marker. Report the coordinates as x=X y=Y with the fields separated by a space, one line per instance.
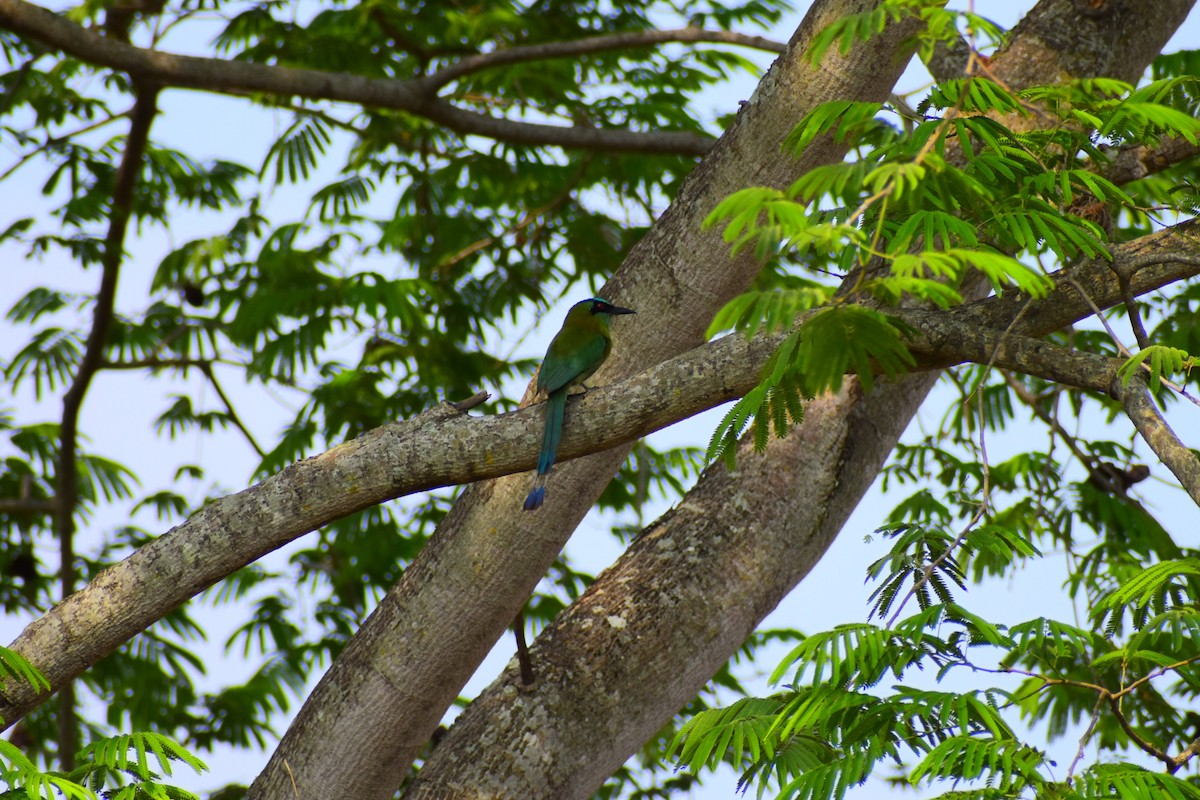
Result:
x=67 y=492
x=1134 y=162
x=417 y=96
x=1113 y=700
x=1140 y=408
x=1159 y=259
x=27 y=505
x=592 y=45
x=154 y=363
x=1114 y=705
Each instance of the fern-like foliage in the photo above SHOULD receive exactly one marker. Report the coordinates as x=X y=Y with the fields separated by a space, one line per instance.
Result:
x=1156 y=588
x=1009 y=765
x=1130 y=782
x=769 y=310
x=813 y=359
x=1160 y=360
x=15 y=666
x=116 y=768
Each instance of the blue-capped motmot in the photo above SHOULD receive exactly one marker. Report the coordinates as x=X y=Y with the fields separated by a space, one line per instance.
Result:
x=574 y=354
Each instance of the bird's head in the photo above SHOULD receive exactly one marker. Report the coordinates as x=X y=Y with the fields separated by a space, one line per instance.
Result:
x=598 y=305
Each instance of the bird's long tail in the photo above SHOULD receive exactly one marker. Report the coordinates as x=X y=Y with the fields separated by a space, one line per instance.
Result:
x=555 y=405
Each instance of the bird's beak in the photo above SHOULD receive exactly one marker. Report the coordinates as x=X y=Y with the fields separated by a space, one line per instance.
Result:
x=619 y=310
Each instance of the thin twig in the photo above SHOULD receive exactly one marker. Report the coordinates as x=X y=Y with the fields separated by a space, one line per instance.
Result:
x=207 y=369
x=1131 y=309
x=1025 y=396
x=1083 y=740
x=40 y=149
x=1157 y=673
x=526 y=665
x=986 y=488
x=595 y=44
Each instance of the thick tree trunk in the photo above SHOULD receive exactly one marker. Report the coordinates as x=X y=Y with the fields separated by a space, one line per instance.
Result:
x=360 y=730
x=657 y=625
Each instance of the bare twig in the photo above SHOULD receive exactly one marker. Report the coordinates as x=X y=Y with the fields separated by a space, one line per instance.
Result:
x=50 y=142
x=1025 y=396
x=1121 y=348
x=1157 y=673
x=1131 y=308
x=987 y=476
x=518 y=627
x=1114 y=705
x=207 y=369
x=1083 y=740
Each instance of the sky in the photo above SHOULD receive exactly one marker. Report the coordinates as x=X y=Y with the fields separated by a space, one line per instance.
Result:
x=119 y=406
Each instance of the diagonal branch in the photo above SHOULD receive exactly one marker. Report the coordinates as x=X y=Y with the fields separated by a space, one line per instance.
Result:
x=1140 y=408
x=595 y=44
x=417 y=96
x=207 y=369
x=1114 y=705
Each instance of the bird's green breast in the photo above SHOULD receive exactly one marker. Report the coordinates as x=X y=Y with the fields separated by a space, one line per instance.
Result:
x=577 y=351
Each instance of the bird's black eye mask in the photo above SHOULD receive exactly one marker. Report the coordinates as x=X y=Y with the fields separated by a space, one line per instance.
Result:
x=600 y=308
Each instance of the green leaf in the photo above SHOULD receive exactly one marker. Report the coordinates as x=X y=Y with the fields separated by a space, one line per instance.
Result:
x=1163 y=360
x=1133 y=782
x=15 y=665
x=1008 y=765
x=1152 y=586
x=771 y=311
x=845 y=120
x=848 y=338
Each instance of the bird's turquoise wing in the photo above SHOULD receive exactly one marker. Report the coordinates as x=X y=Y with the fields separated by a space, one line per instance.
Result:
x=570 y=360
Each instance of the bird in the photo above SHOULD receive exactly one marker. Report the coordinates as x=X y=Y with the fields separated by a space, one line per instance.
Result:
x=574 y=354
